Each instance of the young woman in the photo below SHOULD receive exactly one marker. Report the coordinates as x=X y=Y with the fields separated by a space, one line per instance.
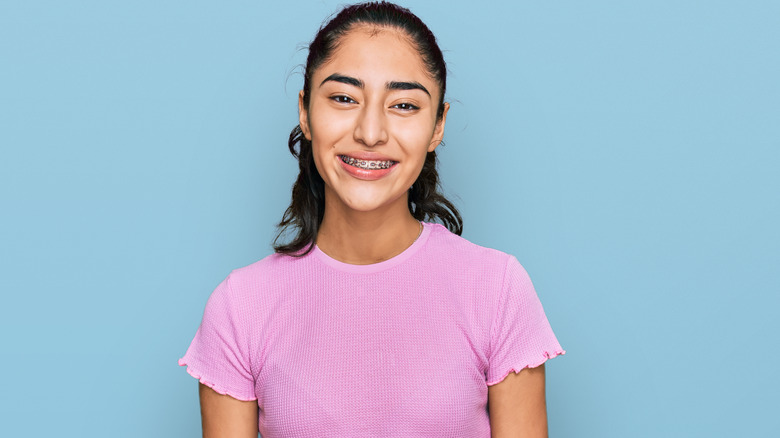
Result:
x=371 y=321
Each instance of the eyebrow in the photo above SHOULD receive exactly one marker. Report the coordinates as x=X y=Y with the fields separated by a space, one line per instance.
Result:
x=407 y=86
x=393 y=85
x=335 y=77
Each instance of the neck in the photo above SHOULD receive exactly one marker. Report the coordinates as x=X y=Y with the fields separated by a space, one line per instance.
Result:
x=364 y=238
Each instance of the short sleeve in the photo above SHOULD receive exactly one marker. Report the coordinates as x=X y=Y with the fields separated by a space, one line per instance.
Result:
x=521 y=336
x=219 y=354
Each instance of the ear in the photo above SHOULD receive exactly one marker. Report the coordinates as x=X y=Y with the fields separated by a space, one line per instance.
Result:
x=303 y=117
x=438 y=130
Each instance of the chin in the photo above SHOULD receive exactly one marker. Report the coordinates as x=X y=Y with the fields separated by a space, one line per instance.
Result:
x=367 y=202
x=364 y=206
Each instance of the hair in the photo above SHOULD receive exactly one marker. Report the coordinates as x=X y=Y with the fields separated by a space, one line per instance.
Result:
x=307 y=207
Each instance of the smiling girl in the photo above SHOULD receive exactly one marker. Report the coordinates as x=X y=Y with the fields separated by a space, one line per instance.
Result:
x=376 y=318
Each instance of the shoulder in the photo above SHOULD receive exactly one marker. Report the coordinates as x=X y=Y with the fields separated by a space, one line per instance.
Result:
x=264 y=278
x=268 y=265
x=463 y=263
x=461 y=252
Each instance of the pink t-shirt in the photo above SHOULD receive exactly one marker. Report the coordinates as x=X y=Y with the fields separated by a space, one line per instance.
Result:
x=402 y=348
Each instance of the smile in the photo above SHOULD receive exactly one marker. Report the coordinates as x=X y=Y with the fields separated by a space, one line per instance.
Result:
x=367 y=164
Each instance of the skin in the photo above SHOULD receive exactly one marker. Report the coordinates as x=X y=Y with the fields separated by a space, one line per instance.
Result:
x=401 y=124
x=517 y=405
x=223 y=416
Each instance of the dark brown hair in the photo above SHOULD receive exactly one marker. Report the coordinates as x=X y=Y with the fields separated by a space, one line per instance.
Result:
x=304 y=215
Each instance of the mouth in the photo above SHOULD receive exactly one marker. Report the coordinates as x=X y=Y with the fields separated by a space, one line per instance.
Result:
x=368 y=164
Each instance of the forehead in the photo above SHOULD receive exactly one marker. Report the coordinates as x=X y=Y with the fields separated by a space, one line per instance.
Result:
x=377 y=55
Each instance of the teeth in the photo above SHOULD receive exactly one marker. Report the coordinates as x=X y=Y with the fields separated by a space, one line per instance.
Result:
x=367 y=164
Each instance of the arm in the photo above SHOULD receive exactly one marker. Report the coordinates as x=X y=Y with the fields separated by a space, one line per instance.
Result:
x=517 y=405
x=225 y=417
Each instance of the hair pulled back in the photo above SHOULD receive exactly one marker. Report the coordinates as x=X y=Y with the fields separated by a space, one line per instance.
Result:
x=306 y=210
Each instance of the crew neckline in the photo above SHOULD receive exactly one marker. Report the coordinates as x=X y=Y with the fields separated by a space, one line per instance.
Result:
x=376 y=267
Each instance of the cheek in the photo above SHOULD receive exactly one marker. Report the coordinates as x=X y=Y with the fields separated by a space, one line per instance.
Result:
x=414 y=135
x=327 y=125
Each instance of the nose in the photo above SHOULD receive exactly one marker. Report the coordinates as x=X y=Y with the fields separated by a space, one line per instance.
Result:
x=371 y=127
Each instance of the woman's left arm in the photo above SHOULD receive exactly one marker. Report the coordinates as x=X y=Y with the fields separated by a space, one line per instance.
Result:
x=517 y=405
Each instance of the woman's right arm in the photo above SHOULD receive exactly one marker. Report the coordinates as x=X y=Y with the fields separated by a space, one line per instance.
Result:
x=225 y=417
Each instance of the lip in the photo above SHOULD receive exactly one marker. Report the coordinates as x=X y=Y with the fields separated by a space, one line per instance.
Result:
x=366 y=174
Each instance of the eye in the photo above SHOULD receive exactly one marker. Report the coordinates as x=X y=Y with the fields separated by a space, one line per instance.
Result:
x=405 y=106
x=343 y=99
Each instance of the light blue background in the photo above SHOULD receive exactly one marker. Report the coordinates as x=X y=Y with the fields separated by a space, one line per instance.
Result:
x=625 y=152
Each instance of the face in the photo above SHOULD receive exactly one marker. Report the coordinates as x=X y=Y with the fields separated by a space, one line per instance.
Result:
x=371 y=120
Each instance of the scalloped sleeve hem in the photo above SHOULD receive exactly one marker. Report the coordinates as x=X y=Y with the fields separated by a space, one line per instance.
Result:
x=220 y=389
x=532 y=364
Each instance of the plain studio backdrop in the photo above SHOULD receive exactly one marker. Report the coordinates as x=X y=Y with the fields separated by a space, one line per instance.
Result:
x=625 y=152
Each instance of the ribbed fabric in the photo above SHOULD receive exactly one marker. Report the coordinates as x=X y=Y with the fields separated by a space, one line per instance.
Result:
x=402 y=348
